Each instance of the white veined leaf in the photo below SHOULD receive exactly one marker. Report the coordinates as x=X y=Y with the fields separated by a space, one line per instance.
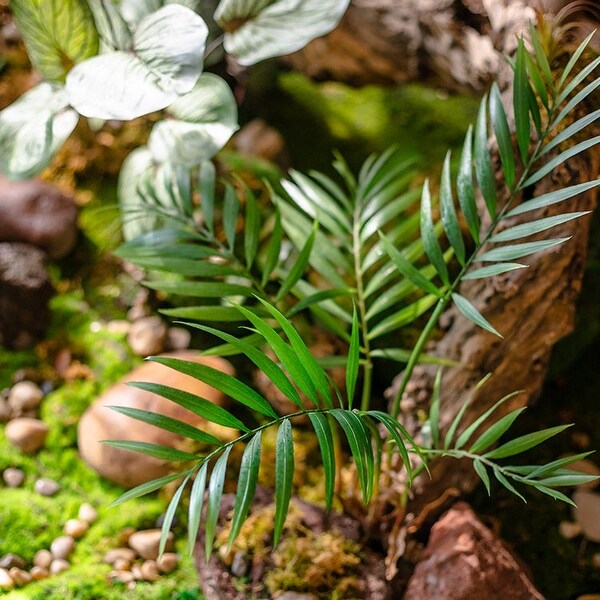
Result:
x=113 y=30
x=260 y=29
x=133 y=11
x=205 y=119
x=136 y=219
x=57 y=33
x=32 y=129
x=165 y=62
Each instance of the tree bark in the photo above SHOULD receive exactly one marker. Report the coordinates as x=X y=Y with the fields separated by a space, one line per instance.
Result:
x=457 y=45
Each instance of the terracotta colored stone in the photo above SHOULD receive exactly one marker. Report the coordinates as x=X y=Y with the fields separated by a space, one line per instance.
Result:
x=463 y=561
x=100 y=423
x=38 y=213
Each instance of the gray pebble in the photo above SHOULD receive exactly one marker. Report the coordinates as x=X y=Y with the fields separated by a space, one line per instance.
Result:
x=59 y=566
x=9 y=561
x=239 y=566
x=46 y=487
x=62 y=547
x=24 y=396
x=13 y=478
x=43 y=559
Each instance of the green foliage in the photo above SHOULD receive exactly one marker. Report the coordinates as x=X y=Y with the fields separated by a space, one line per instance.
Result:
x=375 y=273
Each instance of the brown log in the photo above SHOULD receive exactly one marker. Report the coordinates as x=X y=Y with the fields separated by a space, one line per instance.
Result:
x=457 y=45
x=533 y=308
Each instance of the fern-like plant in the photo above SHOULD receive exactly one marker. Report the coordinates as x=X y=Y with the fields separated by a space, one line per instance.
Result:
x=375 y=274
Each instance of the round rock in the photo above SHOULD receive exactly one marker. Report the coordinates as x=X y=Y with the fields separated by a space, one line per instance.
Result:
x=46 y=487
x=149 y=571
x=87 y=513
x=13 y=477
x=29 y=435
x=19 y=576
x=76 y=528
x=147 y=336
x=125 y=554
x=168 y=562
x=146 y=543
x=25 y=396
x=62 y=547
x=59 y=565
x=38 y=213
x=6 y=582
x=39 y=573
x=99 y=423
x=178 y=338
x=43 y=559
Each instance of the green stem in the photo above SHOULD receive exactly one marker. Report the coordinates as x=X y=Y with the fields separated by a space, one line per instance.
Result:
x=423 y=338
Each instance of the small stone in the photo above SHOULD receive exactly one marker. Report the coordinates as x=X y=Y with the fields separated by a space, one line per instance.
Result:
x=149 y=571
x=569 y=529
x=39 y=573
x=587 y=513
x=43 y=559
x=136 y=571
x=46 y=487
x=146 y=543
x=239 y=565
x=122 y=565
x=9 y=561
x=75 y=528
x=87 y=513
x=58 y=566
x=121 y=576
x=27 y=434
x=112 y=556
x=147 y=336
x=19 y=576
x=62 y=547
x=13 y=478
x=168 y=562
x=596 y=560
x=296 y=596
x=6 y=582
x=24 y=395
x=589 y=597
x=178 y=338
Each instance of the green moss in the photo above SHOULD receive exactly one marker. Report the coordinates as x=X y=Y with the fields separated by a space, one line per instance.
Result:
x=12 y=361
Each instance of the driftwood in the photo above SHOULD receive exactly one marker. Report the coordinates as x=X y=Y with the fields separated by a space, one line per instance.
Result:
x=533 y=308
x=456 y=45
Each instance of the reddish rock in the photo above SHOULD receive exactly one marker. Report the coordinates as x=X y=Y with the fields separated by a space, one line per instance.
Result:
x=464 y=560
x=38 y=213
x=100 y=423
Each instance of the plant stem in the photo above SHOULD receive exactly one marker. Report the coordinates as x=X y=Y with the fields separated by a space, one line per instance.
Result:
x=362 y=312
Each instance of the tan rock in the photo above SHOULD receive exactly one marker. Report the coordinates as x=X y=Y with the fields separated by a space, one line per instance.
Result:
x=29 y=435
x=147 y=336
x=87 y=513
x=59 y=566
x=62 y=547
x=136 y=571
x=98 y=423
x=24 y=395
x=112 y=556
x=76 y=528
x=19 y=576
x=149 y=571
x=121 y=576
x=146 y=543
x=6 y=582
x=43 y=559
x=39 y=573
x=168 y=562
x=122 y=565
